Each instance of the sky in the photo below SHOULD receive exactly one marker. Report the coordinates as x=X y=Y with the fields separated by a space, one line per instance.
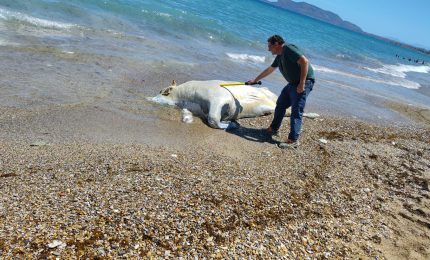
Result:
x=407 y=21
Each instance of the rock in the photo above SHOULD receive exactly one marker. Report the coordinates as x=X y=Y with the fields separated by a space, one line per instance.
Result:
x=366 y=190
x=219 y=255
x=56 y=244
x=373 y=156
x=377 y=239
x=283 y=249
x=323 y=141
x=39 y=143
x=266 y=153
x=380 y=198
x=406 y=165
x=311 y=115
x=304 y=241
x=101 y=251
x=8 y=175
x=426 y=185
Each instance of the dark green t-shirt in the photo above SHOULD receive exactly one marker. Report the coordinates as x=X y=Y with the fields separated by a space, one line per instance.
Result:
x=288 y=66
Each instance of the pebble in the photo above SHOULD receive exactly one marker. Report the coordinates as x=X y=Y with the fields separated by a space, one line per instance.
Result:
x=39 y=143
x=323 y=141
x=56 y=243
x=304 y=204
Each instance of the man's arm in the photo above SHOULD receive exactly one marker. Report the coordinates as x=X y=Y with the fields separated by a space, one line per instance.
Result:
x=304 y=63
x=262 y=75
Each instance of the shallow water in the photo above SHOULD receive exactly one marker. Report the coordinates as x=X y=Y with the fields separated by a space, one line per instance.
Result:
x=116 y=53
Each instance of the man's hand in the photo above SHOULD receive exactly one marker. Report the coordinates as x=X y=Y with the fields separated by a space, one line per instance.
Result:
x=251 y=82
x=301 y=88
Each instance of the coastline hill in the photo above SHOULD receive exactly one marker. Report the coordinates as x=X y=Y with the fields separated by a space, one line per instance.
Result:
x=306 y=9
x=315 y=12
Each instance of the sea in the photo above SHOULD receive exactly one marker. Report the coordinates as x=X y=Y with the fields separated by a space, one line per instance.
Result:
x=114 y=53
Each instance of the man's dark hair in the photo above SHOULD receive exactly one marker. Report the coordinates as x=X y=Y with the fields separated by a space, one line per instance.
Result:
x=275 y=38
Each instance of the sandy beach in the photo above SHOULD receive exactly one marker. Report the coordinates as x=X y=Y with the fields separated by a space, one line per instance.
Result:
x=87 y=182
x=90 y=169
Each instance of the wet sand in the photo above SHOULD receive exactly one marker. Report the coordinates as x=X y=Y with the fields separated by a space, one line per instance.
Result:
x=416 y=114
x=98 y=182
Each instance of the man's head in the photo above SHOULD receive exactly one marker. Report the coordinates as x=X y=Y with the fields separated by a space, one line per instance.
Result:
x=274 y=44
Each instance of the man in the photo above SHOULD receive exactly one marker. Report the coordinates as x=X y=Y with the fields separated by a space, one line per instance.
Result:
x=297 y=70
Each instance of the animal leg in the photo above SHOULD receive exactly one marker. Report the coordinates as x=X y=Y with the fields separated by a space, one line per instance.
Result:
x=214 y=119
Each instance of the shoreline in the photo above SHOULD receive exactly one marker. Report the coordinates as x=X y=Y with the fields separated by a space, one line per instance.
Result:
x=417 y=114
x=112 y=175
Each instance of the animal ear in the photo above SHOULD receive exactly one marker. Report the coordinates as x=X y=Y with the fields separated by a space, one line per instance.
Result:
x=173 y=83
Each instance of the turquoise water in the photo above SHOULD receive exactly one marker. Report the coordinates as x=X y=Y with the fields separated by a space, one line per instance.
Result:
x=219 y=40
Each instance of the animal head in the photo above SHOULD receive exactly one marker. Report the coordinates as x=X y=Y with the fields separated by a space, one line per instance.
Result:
x=168 y=90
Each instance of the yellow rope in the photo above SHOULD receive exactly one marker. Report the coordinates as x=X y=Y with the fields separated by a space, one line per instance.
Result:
x=232 y=84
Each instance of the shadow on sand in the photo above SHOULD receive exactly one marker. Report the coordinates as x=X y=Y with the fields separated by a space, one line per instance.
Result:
x=253 y=134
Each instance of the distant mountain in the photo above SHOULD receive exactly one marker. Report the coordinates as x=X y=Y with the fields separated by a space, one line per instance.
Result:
x=332 y=18
x=314 y=12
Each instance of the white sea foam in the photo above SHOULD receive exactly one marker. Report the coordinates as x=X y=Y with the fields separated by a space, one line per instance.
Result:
x=399 y=82
x=242 y=57
x=8 y=43
x=3 y=43
x=10 y=15
x=162 y=14
x=400 y=70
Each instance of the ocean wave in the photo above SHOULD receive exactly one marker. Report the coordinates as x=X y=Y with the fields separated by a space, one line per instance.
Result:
x=399 y=70
x=7 y=43
x=242 y=57
x=400 y=82
x=343 y=56
x=20 y=17
x=163 y=14
x=346 y=57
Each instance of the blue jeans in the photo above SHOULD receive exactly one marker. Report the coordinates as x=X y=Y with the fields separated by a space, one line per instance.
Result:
x=290 y=97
